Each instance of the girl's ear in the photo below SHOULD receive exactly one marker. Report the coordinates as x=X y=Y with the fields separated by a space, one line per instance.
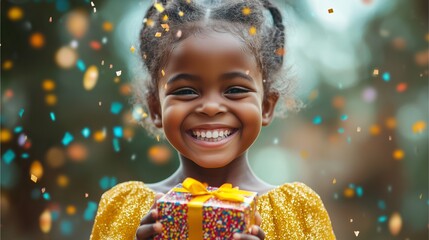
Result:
x=268 y=107
x=155 y=110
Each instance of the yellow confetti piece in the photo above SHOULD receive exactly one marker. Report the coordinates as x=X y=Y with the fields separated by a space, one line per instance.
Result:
x=157 y=138
x=71 y=210
x=391 y=123
x=45 y=221
x=36 y=169
x=331 y=10
x=51 y=99
x=163 y=72
x=395 y=224
x=157 y=34
x=150 y=23
x=246 y=11
x=334 y=181
x=90 y=78
x=304 y=154
x=15 y=13
x=33 y=178
x=165 y=18
x=375 y=130
x=5 y=135
x=419 y=127
x=188 y=1
x=398 y=154
x=62 y=181
x=349 y=193
x=375 y=72
x=181 y=13
x=132 y=49
x=159 y=7
x=7 y=65
x=48 y=85
x=252 y=30
x=107 y=26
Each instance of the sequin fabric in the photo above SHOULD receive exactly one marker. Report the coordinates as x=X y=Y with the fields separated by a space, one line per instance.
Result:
x=290 y=211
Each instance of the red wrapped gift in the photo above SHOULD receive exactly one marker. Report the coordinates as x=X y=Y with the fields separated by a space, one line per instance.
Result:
x=193 y=211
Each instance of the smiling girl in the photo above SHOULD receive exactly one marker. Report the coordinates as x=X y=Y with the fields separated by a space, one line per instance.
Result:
x=216 y=77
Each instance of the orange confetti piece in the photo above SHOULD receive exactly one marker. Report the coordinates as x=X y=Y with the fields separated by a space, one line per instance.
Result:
x=48 y=85
x=419 y=127
x=349 y=193
x=398 y=154
x=331 y=10
x=51 y=99
x=401 y=87
x=107 y=26
x=5 y=135
x=7 y=65
x=375 y=130
x=15 y=14
x=37 y=40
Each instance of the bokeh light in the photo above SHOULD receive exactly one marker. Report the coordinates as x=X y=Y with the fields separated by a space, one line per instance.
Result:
x=66 y=57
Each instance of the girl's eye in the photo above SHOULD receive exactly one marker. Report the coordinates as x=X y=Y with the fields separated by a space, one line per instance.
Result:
x=236 y=90
x=185 y=91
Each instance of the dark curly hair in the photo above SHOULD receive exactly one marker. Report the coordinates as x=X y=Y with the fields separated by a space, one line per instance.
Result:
x=166 y=23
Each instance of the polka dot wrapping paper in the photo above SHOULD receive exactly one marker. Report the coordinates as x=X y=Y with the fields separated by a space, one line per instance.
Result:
x=216 y=219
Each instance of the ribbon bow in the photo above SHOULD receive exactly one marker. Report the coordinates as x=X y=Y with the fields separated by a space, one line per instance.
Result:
x=200 y=193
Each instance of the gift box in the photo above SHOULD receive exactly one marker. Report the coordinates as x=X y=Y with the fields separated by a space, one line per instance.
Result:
x=194 y=211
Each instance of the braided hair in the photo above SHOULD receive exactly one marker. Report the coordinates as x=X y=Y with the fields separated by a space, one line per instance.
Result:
x=167 y=22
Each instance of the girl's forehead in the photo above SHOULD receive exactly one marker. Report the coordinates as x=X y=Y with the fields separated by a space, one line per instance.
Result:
x=206 y=46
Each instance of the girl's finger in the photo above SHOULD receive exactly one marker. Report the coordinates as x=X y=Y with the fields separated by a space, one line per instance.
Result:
x=157 y=196
x=257 y=231
x=242 y=236
x=258 y=219
x=148 y=230
x=150 y=217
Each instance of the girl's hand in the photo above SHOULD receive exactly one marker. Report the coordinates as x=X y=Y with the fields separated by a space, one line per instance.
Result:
x=255 y=231
x=148 y=225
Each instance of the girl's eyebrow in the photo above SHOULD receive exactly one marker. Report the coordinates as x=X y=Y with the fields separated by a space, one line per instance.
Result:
x=225 y=76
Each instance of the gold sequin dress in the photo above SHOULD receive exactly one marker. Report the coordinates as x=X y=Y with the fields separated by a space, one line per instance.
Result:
x=290 y=211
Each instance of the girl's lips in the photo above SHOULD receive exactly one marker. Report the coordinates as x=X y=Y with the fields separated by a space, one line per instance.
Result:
x=206 y=144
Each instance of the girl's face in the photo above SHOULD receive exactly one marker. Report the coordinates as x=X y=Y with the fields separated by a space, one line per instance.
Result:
x=211 y=99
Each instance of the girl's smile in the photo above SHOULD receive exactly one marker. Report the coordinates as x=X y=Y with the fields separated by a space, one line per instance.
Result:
x=211 y=99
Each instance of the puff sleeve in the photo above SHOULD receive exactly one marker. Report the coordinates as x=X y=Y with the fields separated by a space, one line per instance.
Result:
x=120 y=211
x=294 y=211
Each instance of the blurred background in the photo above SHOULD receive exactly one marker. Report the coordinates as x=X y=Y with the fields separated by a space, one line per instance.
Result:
x=69 y=131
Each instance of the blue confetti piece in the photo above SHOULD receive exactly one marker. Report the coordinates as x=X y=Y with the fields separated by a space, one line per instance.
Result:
x=8 y=156
x=62 y=5
x=349 y=139
x=104 y=183
x=67 y=139
x=359 y=191
x=381 y=204
x=382 y=219
x=90 y=211
x=386 y=76
x=35 y=194
x=116 y=107
x=25 y=155
x=52 y=116
x=117 y=131
x=46 y=196
x=21 y=112
x=66 y=227
x=116 y=146
x=340 y=130
x=317 y=120
x=80 y=65
x=55 y=215
x=86 y=132
x=18 y=129
x=344 y=117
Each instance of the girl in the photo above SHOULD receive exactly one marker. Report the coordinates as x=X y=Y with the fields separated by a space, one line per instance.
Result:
x=216 y=75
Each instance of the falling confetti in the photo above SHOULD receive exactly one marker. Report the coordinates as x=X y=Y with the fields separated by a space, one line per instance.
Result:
x=132 y=49
x=356 y=233
x=116 y=107
x=15 y=14
x=36 y=169
x=401 y=87
x=419 y=126
x=80 y=65
x=52 y=114
x=118 y=73
x=375 y=72
x=66 y=57
x=8 y=156
x=67 y=139
x=395 y=224
x=159 y=7
x=33 y=178
x=45 y=221
x=246 y=11
x=317 y=120
x=159 y=154
x=90 y=78
x=86 y=132
x=386 y=76
x=398 y=154
x=37 y=40
x=331 y=10
x=21 y=112
x=252 y=30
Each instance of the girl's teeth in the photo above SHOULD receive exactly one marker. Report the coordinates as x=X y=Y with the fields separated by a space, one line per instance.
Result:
x=215 y=134
x=203 y=134
x=221 y=133
x=209 y=134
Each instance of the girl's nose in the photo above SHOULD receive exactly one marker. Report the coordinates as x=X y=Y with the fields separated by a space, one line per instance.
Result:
x=211 y=106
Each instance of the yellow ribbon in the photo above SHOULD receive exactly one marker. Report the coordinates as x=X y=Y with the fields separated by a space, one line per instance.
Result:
x=200 y=193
